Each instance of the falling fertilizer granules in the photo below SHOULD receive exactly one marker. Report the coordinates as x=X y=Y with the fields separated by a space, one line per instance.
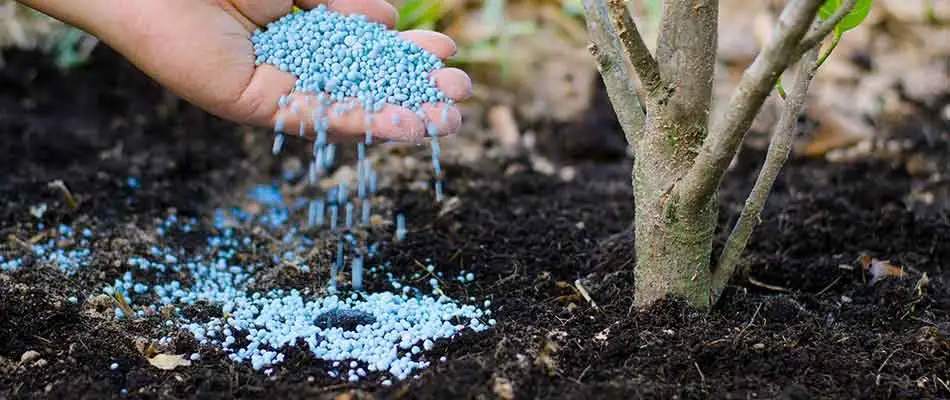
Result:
x=343 y=63
x=378 y=332
x=357 y=332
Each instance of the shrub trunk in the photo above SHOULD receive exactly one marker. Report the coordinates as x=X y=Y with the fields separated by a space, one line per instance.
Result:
x=673 y=243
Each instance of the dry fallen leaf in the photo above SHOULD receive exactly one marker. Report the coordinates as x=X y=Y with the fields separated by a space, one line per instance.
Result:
x=502 y=388
x=922 y=284
x=602 y=335
x=145 y=348
x=28 y=356
x=546 y=358
x=344 y=396
x=169 y=362
x=880 y=269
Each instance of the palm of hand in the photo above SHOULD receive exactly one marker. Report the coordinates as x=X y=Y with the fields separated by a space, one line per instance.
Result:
x=201 y=50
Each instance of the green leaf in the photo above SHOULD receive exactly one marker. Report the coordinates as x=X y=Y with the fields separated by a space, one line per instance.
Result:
x=857 y=15
x=419 y=14
x=828 y=8
x=854 y=18
x=66 y=54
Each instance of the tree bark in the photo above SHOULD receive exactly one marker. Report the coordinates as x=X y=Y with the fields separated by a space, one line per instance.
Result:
x=673 y=246
x=674 y=243
x=678 y=163
x=616 y=72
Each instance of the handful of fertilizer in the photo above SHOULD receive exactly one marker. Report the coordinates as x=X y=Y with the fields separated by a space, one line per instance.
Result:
x=342 y=62
x=347 y=59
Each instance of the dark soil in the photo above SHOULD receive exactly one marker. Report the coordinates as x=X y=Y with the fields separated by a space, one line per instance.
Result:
x=802 y=327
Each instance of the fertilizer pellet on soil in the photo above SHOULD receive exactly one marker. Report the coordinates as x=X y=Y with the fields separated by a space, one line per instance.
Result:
x=342 y=62
x=380 y=334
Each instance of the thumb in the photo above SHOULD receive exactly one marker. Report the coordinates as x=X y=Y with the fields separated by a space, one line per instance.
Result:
x=263 y=12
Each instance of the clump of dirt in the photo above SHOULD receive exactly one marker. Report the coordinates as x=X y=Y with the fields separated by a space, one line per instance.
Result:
x=806 y=325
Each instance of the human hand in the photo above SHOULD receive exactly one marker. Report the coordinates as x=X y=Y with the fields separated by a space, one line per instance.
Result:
x=201 y=51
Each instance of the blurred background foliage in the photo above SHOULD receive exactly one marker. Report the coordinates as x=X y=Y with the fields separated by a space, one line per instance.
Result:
x=531 y=67
x=23 y=28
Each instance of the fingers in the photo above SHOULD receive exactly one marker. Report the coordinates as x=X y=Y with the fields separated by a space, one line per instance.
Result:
x=445 y=119
x=263 y=12
x=259 y=106
x=374 y=10
x=453 y=83
x=436 y=43
x=347 y=121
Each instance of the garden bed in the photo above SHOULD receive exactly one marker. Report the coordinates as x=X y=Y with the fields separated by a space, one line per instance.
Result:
x=806 y=325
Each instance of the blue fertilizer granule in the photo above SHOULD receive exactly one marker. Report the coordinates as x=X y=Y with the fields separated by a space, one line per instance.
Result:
x=387 y=334
x=347 y=56
x=267 y=195
x=347 y=60
x=48 y=252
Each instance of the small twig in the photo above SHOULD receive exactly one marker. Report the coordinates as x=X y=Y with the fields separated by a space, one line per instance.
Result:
x=124 y=305
x=19 y=242
x=877 y=380
x=59 y=185
x=702 y=378
x=825 y=27
x=637 y=53
x=334 y=387
x=580 y=289
x=584 y=372
x=942 y=383
x=749 y=324
x=768 y=286
x=37 y=238
x=43 y=339
x=828 y=287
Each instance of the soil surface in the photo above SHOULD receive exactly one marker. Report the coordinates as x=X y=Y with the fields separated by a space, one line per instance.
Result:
x=805 y=322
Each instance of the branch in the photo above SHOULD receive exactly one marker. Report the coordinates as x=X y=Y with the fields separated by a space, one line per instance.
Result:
x=614 y=69
x=636 y=51
x=724 y=138
x=686 y=55
x=819 y=34
x=779 y=148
